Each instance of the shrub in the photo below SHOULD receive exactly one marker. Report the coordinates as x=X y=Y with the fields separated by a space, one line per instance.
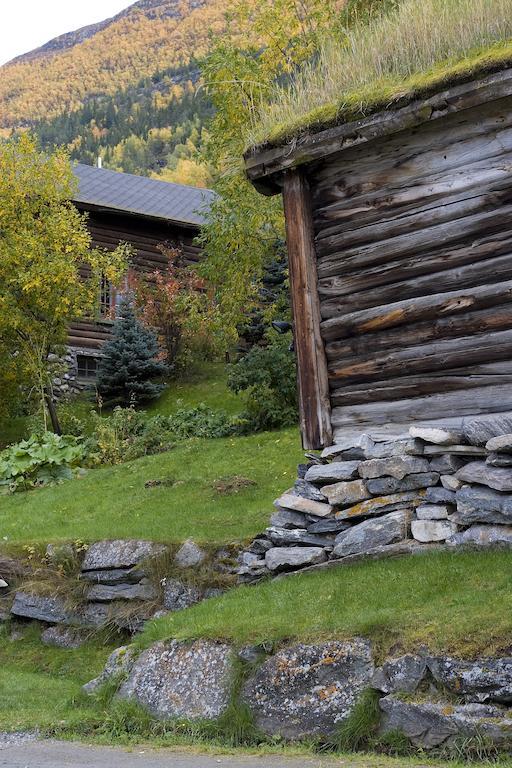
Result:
x=41 y=460
x=130 y=370
x=127 y=434
x=201 y=421
x=268 y=376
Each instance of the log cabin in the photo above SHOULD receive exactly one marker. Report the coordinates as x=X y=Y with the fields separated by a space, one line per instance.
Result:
x=399 y=235
x=145 y=213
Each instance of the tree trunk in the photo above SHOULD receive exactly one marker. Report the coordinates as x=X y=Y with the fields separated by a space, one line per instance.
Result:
x=52 y=410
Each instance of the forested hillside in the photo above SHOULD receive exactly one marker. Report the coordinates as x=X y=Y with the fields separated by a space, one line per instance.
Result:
x=124 y=88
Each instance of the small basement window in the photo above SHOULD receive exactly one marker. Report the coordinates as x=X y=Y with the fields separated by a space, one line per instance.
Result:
x=87 y=366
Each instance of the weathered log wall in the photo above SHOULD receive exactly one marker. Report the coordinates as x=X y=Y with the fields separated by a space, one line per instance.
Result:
x=145 y=236
x=413 y=240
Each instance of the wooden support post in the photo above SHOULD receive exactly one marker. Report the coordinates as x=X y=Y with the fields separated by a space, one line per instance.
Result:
x=314 y=401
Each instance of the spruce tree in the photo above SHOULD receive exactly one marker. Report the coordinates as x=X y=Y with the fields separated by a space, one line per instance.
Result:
x=130 y=372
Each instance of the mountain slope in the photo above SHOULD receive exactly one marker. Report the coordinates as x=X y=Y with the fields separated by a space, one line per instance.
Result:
x=149 y=36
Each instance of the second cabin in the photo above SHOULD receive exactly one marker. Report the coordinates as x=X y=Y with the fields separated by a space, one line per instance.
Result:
x=399 y=230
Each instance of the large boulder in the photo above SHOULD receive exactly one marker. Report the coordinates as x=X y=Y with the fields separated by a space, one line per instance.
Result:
x=307 y=690
x=433 y=724
x=484 y=680
x=370 y=534
x=120 y=553
x=188 y=680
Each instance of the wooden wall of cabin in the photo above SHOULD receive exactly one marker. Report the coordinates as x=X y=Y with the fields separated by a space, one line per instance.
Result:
x=145 y=236
x=413 y=240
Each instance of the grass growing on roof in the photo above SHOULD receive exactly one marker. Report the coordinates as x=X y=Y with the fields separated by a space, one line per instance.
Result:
x=410 y=52
x=457 y=602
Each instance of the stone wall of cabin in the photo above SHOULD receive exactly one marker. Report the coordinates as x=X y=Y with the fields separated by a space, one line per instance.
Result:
x=413 y=237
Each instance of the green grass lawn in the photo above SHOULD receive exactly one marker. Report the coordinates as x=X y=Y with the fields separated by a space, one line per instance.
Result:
x=457 y=602
x=113 y=502
x=207 y=384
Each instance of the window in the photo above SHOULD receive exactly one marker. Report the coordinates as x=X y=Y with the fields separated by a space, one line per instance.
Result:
x=106 y=298
x=87 y=366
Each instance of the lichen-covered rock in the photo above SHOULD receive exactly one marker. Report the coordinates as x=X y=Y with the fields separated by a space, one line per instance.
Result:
x=432 y=724
x=52 y=610
x=120 y=553
x=498 y=478
x=306 y=506
x=371 y=534
x=383 y=485
x=178 y=595
x=347 y=493
x=402 y=674
x=307 y=690
x=189 y=680
x=291 y=558
x=483 y=680
x=189 y=555
x=337 y=471
x=64 y=637
x=379 y=505
x=483 y=536
x=432 y=530
x=118 y=663
x=394 y=466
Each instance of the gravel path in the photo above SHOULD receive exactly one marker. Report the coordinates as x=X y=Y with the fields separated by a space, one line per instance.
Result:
x=23 y=751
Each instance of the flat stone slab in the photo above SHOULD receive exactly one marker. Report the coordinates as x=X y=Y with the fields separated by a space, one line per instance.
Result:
x=370 y=534
x=380 y=505
x=482 y=505
x=336 y=471
x=308 y=690
x=394 y=466
x=287 y=518
x=480 y=431
x=502 y=443
x=437 y=435
x=483 y=680
x=120 y=553
x=457 y=450
x=432 y=530
x=308 y=507
x=114 y=576
x=483 y=536
x=328 y=526
x=432 y=512
x=346 y=494
x=291 y=558
x=381 y=486
x=307 y=491
x=480 y=472
x=447 y=463
x=440 y=496
x=103 y=593
x=352 y=448
x=187 y=680
x=404 y=447
x=428 y=725
x=298 y=537
x=52 y=610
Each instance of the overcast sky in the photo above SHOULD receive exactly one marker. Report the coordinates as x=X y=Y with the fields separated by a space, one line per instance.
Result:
x=27 y=24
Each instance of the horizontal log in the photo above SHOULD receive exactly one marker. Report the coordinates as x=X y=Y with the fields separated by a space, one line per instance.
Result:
x=74 y=341
x=480 y=400
x=331 y=252
x=412 y=310
x=488 y=320
x=405 y=387
x=447 y=209
x=435 y=356
x=395 y=270
x=265 y=163
x=467 y=276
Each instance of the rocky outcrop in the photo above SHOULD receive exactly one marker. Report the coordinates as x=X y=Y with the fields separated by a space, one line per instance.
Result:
x=437 y=487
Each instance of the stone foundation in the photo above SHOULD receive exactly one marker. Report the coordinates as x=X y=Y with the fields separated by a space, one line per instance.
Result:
x=374 y=498
x=67 y=382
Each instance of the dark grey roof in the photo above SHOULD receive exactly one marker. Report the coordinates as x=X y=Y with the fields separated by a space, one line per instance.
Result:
x=139 y=195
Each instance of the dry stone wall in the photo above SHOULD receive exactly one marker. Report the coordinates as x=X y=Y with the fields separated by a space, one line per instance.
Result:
x=366 y=497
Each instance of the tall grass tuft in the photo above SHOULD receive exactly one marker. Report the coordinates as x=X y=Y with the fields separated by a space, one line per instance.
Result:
x=416 y=37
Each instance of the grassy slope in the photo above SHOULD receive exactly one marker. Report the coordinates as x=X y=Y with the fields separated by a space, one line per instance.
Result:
x=460 y=602
x=112 y=502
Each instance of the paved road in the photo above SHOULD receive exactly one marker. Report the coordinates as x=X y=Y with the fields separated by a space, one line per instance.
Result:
x=54 y=754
